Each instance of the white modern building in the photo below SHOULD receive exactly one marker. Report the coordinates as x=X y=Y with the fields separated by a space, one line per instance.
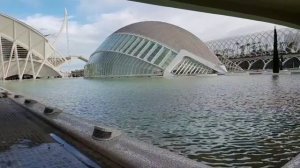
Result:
x=255 y=51
x=152 y=48
x=26 y=53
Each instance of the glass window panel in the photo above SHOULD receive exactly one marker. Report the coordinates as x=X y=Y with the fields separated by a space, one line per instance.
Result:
x=101 y=46
x=147 y=50
x=123 y=42
x=128 y=44
x=133 y=45
x=117 y=38
x=118 y=42
x=169 y=59
x=151 y=56
x=113 y=41
x=162 y=56
x=140 y=47
x=107 y=43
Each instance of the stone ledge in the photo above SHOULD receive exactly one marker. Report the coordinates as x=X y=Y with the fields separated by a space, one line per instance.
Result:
x=119 y=148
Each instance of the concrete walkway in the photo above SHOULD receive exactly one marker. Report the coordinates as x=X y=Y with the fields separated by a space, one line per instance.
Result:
x=38 y=138
x=26 y=141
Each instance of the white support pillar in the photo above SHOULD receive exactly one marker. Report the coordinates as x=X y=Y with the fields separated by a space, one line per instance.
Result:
x=195 y=66
x=18 y=63
x=10 y=58
x=28 y=54
x=267 y=64
x=202 y=70
x=197 y=70
x=16 y=50
x=191 y=69
x=179 y=68
x=183 y=68
x=46 y=55
x=250 y=64
x=187 y=68
x=40 y=68
x=1 y=58
x=32 y=66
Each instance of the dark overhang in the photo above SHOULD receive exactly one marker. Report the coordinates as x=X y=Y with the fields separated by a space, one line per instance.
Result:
x=283 y=12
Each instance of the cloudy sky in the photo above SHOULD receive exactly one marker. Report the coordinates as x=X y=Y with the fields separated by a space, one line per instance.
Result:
x=91 y=21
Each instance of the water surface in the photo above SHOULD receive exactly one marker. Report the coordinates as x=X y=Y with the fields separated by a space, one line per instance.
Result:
x=224 y=121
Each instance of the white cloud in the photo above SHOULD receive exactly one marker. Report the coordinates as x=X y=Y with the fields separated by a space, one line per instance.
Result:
x=93 y=8
x=103 y=17
x=43 y=23
x=83 y=37
x=205 y=26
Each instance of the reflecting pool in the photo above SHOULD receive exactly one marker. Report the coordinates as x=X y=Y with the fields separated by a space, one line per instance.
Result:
x=224 y=121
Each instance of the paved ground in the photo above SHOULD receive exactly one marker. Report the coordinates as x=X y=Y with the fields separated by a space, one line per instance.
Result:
x=26 y=142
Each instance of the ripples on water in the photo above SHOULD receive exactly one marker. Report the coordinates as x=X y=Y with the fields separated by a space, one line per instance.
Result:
x=224 y=121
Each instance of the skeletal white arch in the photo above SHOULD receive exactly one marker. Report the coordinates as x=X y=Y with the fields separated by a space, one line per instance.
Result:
x=258 y=46
x=16 y=38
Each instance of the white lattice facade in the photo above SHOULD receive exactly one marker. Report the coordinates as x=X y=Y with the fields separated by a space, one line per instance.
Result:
x=255 y=51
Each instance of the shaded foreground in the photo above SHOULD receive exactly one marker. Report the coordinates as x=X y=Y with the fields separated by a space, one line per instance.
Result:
x=27 y=142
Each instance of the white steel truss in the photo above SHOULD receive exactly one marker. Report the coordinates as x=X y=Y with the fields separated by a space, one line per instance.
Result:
x=255 y=51
x=21 y=44
x=189 y=66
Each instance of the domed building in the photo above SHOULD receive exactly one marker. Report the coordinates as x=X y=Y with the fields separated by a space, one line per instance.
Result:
x=152 y=48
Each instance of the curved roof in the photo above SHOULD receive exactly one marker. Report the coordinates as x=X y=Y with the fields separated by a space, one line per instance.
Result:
x=26 y=38
x=25 y=35
x=25 y=25
x=173 y=36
